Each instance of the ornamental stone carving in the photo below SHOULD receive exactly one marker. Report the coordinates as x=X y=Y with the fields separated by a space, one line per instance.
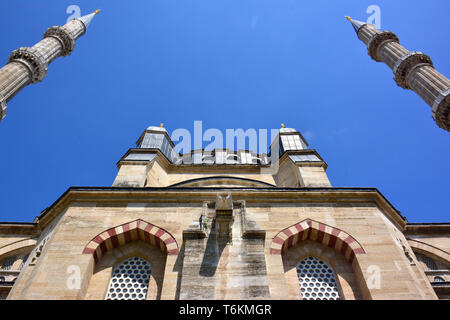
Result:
x=406 y=64
x=63 y=36
x=33 y=60
x=377 y=41
x=36 y=253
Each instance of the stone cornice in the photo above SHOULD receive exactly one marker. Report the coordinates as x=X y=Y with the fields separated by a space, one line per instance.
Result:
x=139 y=162
x=427 y=228
x=122 y=196
x=320 y=163
x=22 y=228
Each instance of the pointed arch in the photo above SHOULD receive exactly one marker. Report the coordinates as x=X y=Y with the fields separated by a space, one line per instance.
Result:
x=128 y=232
x=322 y=233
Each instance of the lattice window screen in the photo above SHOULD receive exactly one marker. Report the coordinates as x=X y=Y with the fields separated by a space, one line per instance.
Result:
x=317 y=280
x=7 y=263
x=430 y=263
x=130 y=280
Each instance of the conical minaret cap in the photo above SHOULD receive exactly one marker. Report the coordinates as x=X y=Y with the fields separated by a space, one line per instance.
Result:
x=356 y=23
x=88 y=18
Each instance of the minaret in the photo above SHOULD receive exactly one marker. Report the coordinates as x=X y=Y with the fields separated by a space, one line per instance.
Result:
x=412 y=70
x=29 y=65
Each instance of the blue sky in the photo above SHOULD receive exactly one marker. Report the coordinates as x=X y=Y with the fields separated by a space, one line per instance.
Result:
x=232 y=64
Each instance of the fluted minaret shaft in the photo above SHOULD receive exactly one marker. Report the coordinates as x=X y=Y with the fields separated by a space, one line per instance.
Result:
x=412 y=70
x=30 y=64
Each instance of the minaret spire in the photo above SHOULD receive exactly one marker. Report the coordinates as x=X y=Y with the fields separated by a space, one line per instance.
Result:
x=89 y=17
x=30 y=64
x=412 y=70
x=355 y=23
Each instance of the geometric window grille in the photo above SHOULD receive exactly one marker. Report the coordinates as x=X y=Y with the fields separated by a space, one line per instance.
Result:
x=7 y=263
x=431 y=265
x=129 y=280
x=317 y=280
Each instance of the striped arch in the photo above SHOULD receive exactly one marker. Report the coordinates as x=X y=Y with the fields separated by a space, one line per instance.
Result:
x=128 y=232
x=313 y=230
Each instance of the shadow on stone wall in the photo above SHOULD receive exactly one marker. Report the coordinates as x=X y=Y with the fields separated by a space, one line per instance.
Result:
x=213 y=251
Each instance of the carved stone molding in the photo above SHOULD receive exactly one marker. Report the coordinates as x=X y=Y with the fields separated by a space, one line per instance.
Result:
x=63 y=36
x=408 y=255
x=33 y=60
x=376 y=42
x=405 y=64
x=406 y=251
x=441 y=110
x=224 y=215
x=36 y=253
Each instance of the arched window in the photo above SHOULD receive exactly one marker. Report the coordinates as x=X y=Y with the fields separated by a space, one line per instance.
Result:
x=129 y=280
x=317 y=280
x=430 y=263
x=438 y=279
x=7 y=263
